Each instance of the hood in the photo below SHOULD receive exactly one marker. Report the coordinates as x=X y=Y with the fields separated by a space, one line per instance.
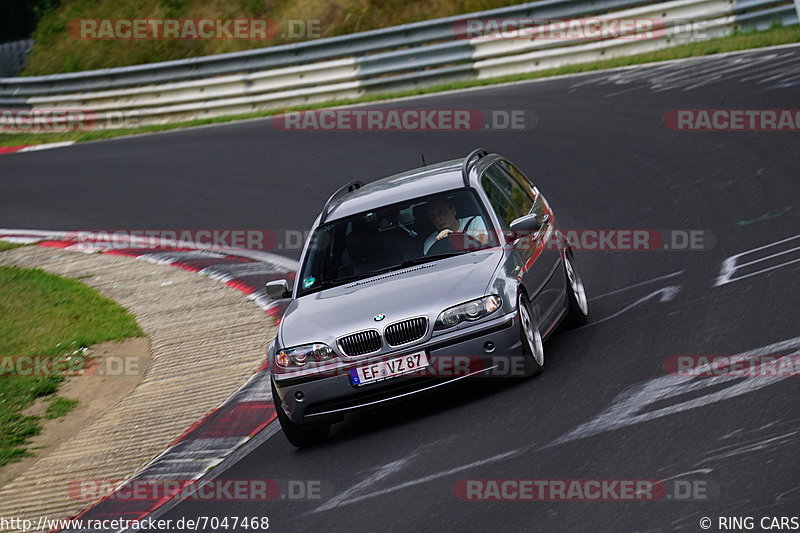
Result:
x=421 y=290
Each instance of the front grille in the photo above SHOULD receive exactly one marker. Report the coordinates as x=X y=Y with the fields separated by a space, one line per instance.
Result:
x=406 y=331
x=361 y=343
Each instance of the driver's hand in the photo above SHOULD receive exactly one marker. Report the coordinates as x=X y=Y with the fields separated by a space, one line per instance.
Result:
x=444 y=233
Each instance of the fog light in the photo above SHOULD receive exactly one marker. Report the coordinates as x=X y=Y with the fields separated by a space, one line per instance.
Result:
x=299 y=396
x=488 y=346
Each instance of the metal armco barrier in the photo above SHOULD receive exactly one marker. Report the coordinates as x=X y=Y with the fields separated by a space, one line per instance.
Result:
x=379 y=61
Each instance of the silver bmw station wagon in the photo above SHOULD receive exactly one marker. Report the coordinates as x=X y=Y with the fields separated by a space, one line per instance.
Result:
x=415 y=282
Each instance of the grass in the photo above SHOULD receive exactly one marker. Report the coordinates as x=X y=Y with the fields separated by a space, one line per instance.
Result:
x=43 y=314
x=737 y=41
x=59 y=406
x=57 y=51
x=5 y=245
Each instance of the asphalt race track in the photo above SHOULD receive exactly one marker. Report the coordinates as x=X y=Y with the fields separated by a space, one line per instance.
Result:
x=598 y=148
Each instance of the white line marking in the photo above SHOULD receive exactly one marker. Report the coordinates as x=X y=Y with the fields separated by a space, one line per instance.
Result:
x=682 y=474
x=689 y=473
x=353 y=496
x=360 y=490
x=668 y=276
x=631 y=406
x=667 y=295
x=47 y=146
x=730 y=266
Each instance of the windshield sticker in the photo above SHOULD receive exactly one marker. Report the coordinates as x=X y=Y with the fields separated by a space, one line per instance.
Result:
x=309 y=281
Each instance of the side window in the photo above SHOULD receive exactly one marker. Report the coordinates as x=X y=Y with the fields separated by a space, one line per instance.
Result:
x=540 y=206
x=500 y=203
x=517 y=175
x=509 y=200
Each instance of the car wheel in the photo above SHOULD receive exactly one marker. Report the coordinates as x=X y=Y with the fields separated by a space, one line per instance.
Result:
x=578 y=312
x=298 y=435
x=532 y=347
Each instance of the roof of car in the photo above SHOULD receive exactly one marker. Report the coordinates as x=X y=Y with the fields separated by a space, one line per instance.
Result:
x=406 y=185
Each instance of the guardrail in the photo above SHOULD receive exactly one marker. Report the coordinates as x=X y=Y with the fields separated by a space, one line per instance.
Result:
x=390 y=59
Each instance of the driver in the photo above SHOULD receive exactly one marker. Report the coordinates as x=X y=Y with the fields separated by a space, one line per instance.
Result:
x=442 y=215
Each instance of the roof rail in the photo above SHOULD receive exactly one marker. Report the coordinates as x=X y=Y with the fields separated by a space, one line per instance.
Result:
x=470 y=162
x=350 y=187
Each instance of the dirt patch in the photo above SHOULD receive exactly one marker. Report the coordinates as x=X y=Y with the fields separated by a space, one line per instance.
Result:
x=120 y=367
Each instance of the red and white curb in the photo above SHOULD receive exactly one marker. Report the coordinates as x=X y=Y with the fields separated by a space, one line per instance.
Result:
x=245 y=270
x=33 y=147
x=242 y=416
x=203 y=446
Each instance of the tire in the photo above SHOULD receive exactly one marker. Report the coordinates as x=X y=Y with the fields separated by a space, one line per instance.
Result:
x=532 y=347
x=299 y=435
x=578 y=303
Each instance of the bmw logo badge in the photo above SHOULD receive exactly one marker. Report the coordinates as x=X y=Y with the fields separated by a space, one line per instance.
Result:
x=378 y=318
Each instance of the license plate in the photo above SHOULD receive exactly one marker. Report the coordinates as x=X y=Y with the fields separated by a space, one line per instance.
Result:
x=389 y=368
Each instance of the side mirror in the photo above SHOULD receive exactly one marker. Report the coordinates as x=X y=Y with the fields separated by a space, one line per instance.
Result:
x=527 y=224
x=278 y=289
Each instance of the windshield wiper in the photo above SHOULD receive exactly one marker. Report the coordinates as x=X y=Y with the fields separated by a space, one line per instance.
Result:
x=329 y=283
x=416 y=261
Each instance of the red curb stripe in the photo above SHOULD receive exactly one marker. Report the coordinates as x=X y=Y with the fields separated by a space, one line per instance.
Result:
x=240 y=285
x=184 y=266
x=191 y=428
x=55 y=244
x=242 y=419
x=12 y=149
x=122 y=252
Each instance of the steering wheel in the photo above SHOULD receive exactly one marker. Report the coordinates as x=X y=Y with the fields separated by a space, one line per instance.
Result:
x=458 y=241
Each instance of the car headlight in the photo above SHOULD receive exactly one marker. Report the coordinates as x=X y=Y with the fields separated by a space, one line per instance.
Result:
x=472 y=310
x=299 y=356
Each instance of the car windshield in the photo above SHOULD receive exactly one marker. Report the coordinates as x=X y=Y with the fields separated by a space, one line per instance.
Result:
x=395 y=236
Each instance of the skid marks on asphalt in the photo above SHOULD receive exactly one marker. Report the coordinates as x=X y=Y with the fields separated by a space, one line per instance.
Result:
x=773 y=70
x=744 y=441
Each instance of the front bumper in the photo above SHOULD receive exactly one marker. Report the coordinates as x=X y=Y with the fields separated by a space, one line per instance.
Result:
x=452 y=357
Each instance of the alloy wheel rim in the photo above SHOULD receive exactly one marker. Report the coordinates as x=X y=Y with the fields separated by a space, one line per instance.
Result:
x=576 y=285
x=532 y=335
